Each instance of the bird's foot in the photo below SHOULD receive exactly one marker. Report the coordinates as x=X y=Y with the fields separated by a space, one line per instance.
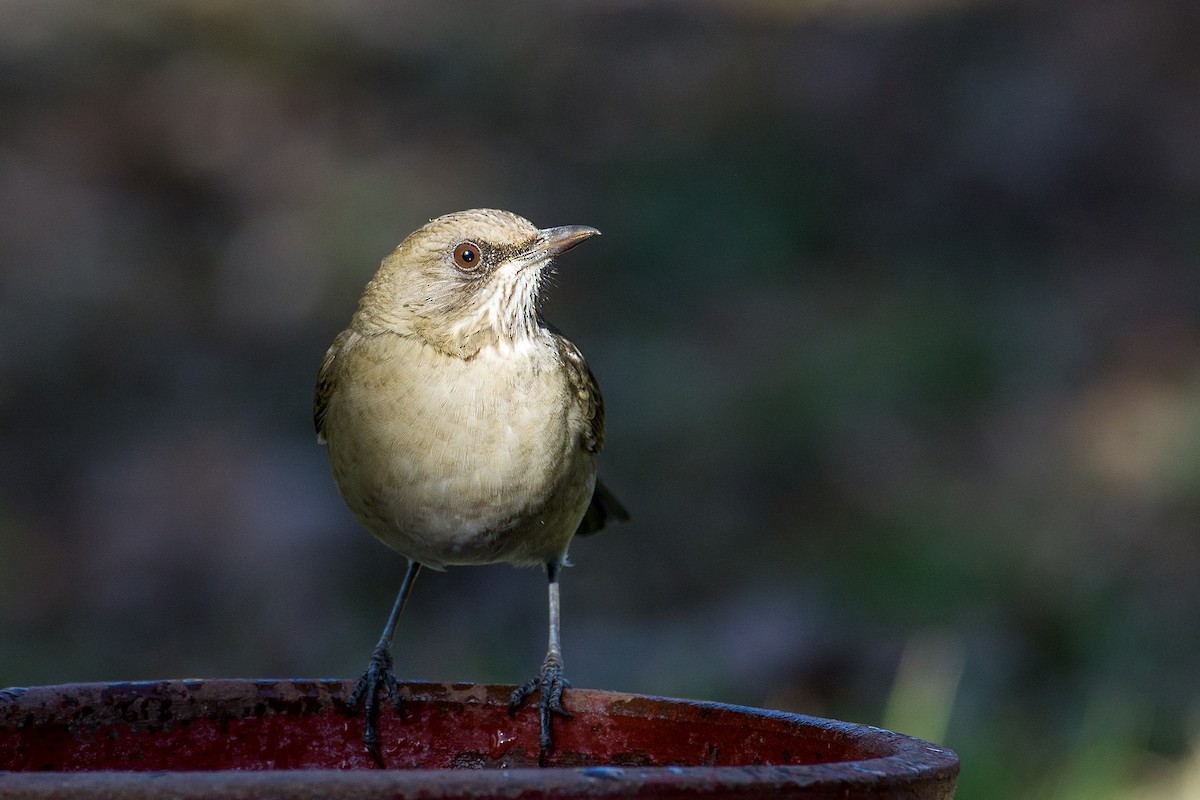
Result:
x=378 y=679
x=551 y=683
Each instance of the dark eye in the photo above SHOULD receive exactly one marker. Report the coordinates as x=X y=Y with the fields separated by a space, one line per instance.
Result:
x=466 y=256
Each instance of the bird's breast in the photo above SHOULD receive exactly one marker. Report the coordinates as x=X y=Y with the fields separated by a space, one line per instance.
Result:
x=460 y=461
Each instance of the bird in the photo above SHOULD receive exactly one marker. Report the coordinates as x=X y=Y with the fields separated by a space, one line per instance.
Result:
x=464 y=429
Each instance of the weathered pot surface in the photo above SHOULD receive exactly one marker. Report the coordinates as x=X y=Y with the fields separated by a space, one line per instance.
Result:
x=238 y=738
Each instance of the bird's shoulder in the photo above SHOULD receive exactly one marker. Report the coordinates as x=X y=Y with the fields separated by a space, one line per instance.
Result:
x=584 y=389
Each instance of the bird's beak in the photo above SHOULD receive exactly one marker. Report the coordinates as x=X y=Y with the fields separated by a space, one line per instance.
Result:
x=554 y=241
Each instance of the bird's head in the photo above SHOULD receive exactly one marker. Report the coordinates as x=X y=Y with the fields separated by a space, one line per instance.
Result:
x=466 y=280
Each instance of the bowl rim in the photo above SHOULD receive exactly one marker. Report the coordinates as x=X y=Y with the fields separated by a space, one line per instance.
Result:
x=926 y=770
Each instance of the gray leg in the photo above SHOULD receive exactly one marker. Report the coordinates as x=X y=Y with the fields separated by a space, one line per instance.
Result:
x=550 y=680
x=379 y=675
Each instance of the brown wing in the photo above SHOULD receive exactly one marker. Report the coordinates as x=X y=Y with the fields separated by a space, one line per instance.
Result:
x=604 y=503
x=587 y=392
x=327 y=379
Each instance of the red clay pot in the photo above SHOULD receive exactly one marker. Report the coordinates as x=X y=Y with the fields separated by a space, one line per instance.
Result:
x=243 y=739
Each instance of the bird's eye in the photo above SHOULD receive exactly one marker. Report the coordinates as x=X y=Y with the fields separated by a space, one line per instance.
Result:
x=467 y=256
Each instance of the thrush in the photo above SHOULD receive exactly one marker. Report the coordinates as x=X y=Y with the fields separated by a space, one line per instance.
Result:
x=462 y=428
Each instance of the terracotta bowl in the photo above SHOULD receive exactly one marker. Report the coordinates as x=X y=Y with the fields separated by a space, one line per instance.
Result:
x=242 y=739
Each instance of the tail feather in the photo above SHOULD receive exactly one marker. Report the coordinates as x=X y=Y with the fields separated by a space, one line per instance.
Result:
x=604 y=506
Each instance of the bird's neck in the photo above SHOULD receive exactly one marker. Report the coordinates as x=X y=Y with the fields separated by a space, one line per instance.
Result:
x=463 y=337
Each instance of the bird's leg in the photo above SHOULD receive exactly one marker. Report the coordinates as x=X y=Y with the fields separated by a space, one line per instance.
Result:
x=550 y=680
x=379 y=676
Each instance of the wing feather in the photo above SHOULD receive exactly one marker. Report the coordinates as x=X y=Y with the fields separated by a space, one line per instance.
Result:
x=327 y=378
x=604 y=505
x=586 y=391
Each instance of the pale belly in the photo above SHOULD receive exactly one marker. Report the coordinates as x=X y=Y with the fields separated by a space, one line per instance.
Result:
x=460 y=462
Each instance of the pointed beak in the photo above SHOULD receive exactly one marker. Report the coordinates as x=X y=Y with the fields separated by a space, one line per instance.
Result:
x=555 y=241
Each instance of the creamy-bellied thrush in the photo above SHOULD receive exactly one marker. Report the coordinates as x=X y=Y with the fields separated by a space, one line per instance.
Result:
x=462 y=428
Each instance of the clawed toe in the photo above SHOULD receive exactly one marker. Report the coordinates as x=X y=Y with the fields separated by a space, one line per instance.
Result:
x=550 y=684
x=378 y=679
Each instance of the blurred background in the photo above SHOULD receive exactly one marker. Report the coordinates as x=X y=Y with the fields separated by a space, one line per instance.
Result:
x=897 y=314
